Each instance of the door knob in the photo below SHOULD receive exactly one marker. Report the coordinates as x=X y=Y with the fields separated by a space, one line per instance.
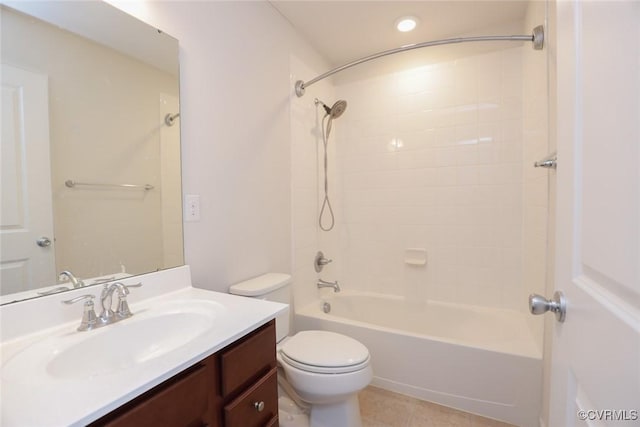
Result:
x=43 y=242
x=558 y=305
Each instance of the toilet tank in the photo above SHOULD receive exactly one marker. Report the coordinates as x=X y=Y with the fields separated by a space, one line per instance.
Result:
x=269 y=287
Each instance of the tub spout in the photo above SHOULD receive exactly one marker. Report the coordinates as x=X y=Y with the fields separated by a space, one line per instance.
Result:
x=324 y=284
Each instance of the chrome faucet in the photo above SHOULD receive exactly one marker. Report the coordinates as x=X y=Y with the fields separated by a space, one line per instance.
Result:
x=324 y=284
x=108 y=316
x=66 y=275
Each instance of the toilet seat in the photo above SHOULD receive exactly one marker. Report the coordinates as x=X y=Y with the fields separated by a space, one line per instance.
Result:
x=324 y=370
x=324 y=352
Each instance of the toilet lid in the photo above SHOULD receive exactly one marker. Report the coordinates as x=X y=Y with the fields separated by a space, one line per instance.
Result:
x=324 y=351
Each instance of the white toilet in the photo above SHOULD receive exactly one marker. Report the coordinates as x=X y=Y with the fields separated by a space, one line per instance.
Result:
x=323 y=369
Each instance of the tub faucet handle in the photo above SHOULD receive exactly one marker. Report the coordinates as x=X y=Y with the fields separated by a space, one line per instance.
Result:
x=320 y=261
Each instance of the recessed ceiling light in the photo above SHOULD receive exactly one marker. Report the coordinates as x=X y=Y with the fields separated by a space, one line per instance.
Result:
x=406 y=23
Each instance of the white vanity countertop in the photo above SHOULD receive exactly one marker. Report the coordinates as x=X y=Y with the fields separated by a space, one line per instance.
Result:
x=29 y=396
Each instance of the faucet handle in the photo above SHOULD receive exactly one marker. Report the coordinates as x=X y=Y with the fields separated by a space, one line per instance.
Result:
x=89 y=318
x=123 y=289
x=320 y=261
x=80 y=298
x=135 y=285
x=123 y=310
x=54 y=290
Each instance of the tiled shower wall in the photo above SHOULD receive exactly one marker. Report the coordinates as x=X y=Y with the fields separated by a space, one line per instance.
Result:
x=432 y=159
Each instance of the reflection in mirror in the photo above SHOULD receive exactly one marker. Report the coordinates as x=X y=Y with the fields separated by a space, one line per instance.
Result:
x=90 y=167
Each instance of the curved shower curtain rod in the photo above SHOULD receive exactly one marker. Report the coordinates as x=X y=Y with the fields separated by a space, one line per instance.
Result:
x=537 y=38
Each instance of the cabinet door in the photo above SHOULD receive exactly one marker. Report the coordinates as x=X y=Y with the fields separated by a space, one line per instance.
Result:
x=256 y=407
x=182 y=402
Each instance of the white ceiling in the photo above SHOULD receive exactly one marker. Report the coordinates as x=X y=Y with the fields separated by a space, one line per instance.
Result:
x=343 y=31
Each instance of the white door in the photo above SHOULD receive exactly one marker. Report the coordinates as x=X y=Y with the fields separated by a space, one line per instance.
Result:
x=595 y=378
x=25 y=214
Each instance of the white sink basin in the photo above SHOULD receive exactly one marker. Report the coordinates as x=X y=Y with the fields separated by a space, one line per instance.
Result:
x=127 y=345
x=148 y=335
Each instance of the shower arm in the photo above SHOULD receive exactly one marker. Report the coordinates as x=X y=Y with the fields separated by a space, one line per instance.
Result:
x=537 y=38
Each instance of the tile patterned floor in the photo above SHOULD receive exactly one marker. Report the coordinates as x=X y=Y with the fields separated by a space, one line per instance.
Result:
x=382 y=408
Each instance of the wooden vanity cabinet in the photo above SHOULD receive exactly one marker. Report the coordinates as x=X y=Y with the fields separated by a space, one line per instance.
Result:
x=248 y=380
x=235 y=387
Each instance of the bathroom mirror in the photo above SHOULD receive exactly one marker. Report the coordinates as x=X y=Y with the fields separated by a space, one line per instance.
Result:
x=90 y=147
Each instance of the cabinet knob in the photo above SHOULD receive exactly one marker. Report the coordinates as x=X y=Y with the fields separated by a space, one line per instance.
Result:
x=259 y=406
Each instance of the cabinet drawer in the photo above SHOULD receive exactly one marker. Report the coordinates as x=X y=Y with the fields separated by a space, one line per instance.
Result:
x=243 y=411
x=181 y=403
x=242 y=364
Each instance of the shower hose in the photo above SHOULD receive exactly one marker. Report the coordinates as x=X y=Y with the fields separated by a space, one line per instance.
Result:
x=326 y=204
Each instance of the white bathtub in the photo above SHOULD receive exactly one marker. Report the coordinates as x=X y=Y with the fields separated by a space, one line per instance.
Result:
x=475 y=359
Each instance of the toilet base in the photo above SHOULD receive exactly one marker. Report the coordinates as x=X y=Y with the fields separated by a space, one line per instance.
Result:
x=290 y=415
x=344 y=414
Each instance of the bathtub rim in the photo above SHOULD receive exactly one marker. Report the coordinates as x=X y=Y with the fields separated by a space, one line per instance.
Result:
x=314 y=309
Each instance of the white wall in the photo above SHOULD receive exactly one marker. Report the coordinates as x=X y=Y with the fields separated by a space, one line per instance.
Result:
x=235 y=125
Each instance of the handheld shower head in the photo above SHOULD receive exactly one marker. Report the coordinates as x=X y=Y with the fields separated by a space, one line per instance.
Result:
x=336 y=110
x=332 y=113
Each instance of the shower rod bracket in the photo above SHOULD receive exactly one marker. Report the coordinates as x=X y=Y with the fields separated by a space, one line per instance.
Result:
x=299 y=88
x=170 y=119
x=537 y=38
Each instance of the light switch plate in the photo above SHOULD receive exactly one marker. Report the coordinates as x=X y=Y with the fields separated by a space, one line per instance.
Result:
x=191 y=207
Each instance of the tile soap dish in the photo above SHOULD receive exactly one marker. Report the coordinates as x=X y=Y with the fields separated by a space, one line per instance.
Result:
x=415 y=256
